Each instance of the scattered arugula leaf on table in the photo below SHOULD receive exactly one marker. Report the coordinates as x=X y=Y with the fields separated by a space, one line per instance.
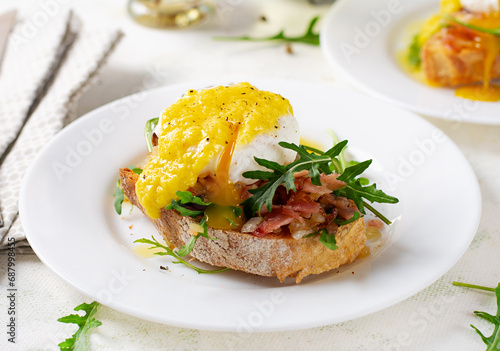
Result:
x=79 y=340
x=493 y=342
x=309 y=37
x=119 y=196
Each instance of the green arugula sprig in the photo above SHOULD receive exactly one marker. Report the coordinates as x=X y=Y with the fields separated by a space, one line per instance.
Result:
x=315 y=162
x=492 y=31
x=170 y=252
x=312 y=162
x=149 y=129
x=309 y=37
x=355 y=191
x=414 y=58
x=493 y=342
x=350 y=220
x=186 y=198
x=328 y=240
x=79 y=340
x=119 y=196
x=343 y=164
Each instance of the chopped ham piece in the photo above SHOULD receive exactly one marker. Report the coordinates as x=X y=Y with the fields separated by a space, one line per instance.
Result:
x=375 y=223
x=331 y=181
x=303 y=206
x=309 y=187
x=346 y=207
x=272 y=221
x=287 y=210
x=306 y=210
x=303 y=173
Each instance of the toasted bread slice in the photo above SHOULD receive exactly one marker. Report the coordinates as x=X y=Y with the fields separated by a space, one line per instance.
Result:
x=451 y=58
x=270 y=256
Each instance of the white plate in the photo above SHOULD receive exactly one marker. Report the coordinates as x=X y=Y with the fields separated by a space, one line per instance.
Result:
x=67 y=211
x=361 y=38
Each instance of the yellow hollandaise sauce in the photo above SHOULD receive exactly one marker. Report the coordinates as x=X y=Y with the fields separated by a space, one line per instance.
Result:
x=200 y=127
x=490 y=45
x=312 y=143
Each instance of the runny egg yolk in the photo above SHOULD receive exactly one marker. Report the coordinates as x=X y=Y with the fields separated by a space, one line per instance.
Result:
x=200 y=127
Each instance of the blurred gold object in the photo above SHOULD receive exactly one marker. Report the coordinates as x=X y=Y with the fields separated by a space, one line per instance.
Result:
x=170 y=13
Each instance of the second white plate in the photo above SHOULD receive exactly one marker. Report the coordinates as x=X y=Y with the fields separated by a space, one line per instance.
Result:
x=66 y=206
x=361 y=40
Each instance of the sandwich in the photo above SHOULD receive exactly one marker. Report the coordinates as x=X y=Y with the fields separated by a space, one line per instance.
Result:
x=460 y=46
x=228 y=183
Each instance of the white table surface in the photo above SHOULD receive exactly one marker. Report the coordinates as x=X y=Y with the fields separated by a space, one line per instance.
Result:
x=437 y=318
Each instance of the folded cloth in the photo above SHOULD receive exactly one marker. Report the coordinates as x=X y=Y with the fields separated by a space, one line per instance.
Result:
x=78 y=69
x=27 y=67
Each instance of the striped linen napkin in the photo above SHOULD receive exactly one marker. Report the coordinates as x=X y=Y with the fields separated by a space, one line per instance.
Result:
x=70 y=64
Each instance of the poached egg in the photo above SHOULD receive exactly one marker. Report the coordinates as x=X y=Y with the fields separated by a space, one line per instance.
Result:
x=216 y=131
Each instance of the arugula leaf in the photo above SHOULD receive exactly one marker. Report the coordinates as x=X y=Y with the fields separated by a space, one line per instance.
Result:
x=315 y=162
x=186 y=197
x=493 y=342
x=170 y=252
x=281 y=175
x=175 y=205
x=309 y=37
x=352 y=219
x=356 y=191
x=362 y=180
x=148 y=132
x=79 y=340
x=492 y=31
x=188 y=247
x=328 y=240
x=343 y=164
x=118 y=194
x=136 y=170
x=236 y=210
x=414 y=58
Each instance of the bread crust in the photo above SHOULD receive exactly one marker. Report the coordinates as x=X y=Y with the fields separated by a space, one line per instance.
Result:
x=272 y=255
